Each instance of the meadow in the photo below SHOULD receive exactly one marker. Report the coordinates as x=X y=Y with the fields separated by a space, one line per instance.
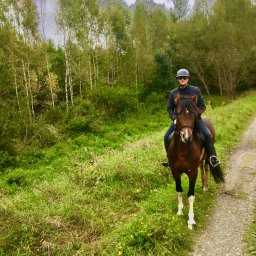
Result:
x=109 y=195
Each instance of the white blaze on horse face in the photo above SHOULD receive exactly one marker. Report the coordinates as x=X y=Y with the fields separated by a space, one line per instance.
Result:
x=186 y=135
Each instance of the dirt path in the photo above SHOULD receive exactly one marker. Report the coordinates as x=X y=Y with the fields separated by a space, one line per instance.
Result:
x=234 y=208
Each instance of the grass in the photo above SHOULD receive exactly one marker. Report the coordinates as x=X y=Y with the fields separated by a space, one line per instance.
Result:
x=115 y=201
x=250 y=238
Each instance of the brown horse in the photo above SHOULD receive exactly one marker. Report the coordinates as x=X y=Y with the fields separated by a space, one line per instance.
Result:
x=186 y=152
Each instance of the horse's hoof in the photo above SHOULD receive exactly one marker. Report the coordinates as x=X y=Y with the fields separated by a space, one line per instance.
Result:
x=190 y=226
x=180 y=213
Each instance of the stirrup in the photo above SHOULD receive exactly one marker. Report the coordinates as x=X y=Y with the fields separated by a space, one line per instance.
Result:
x=214 y=161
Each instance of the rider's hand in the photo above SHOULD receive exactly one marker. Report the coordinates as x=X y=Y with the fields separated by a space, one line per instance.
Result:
x=174 y=121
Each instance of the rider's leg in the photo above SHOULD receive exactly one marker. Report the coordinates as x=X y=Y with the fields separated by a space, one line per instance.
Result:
x=209 y=147
x=167 y=141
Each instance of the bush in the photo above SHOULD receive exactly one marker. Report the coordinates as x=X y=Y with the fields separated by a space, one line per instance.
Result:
x=6 y=160
x=115 y=101
x=54 y=115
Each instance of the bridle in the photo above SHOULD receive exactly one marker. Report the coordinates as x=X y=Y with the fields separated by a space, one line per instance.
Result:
x=179 y=131
x=183 y=134
x=185 y=108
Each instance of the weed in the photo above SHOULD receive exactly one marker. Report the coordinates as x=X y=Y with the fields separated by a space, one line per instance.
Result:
x=106 y=194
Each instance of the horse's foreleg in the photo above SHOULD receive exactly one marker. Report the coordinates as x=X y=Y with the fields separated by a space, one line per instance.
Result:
x=191 y=220
x=191 y=199
x=179 y=192
x=180 y=204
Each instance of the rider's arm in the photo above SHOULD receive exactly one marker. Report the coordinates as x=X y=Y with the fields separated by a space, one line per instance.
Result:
x=200 y=101
x=171 y=106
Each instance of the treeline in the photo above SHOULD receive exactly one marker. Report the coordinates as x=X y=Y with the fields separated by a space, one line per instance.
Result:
x=113 y=61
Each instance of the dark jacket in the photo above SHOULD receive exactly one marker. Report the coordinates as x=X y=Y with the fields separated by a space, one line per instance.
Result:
x=189 y=90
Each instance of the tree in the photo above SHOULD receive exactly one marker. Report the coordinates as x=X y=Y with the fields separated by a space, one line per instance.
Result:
x=115 y=22
x=231 y=43
x=160 y=29
x=181 y=8
x=191 y=51
x=78 y=21
x=142 y=57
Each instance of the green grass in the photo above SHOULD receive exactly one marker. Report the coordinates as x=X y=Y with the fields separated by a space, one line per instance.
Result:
x=115 y=200
x=250 y=238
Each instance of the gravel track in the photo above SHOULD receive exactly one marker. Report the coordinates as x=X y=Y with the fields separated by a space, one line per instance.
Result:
x=235 y=204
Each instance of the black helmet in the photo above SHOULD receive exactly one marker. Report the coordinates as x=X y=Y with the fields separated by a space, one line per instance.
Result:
x=182 y=72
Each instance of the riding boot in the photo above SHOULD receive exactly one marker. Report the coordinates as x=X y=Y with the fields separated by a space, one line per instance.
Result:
x=166 y=164
x=211 y=154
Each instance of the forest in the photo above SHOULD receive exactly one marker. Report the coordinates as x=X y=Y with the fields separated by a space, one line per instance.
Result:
x=115 y=63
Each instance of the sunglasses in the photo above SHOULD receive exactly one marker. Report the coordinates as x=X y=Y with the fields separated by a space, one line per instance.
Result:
x=182 y=77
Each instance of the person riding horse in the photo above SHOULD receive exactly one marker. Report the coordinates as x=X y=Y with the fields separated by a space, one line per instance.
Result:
x=185 y=89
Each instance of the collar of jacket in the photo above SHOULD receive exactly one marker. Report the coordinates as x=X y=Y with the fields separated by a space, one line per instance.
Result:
x=183 y=87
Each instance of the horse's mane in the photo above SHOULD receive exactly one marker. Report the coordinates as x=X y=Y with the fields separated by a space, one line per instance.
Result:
x=187 y=103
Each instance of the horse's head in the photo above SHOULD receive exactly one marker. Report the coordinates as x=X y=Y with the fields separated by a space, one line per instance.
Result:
x=186 y=116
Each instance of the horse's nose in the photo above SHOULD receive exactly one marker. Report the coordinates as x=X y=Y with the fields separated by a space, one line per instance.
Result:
x=186 y=136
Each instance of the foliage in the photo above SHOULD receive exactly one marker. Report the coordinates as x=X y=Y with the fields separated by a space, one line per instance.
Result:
x=114 y=62
x=115 y=101
x=250 y=238
x=79 y=198
x=73 y=180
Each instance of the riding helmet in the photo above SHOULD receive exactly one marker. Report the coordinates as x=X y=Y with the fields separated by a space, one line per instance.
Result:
x=182 y=72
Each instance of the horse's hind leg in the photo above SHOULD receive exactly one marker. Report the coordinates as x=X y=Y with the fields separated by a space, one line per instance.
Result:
x=206 y=172
x=204 y=175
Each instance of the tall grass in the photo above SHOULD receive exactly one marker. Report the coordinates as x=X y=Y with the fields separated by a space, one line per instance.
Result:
x=114 y=201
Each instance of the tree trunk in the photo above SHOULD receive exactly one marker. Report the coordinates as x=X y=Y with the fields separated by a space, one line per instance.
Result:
x=200 y=74
x=80 y=79
x=30 y=92
x=94 y=71
x=70 y=83
x=66 y=80
x=90 y=74
x=26 y=89
x=50 y=81
x=17 y=91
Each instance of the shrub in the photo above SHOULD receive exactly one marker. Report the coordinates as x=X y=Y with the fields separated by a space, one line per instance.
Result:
x=115 y=101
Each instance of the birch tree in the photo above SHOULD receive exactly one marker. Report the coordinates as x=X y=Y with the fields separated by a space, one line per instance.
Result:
x=181 y=8
x=143 y=60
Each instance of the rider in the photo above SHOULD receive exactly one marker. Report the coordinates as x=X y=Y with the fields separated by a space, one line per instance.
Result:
x=188 y=90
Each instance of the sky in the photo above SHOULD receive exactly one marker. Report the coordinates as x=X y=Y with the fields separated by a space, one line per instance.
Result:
x=168 y=3
x=47 y=11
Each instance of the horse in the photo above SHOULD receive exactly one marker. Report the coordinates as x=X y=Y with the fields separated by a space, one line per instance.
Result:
x=186 y=152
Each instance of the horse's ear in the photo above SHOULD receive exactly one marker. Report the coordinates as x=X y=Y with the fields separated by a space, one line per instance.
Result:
x=194 y=98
